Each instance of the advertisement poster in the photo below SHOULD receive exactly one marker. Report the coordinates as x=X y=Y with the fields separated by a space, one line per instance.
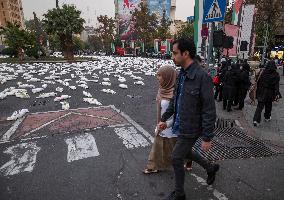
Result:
x=231 y=30
x=125 y=10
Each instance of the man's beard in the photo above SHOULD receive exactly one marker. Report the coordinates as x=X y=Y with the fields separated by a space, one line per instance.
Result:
x=178 y=65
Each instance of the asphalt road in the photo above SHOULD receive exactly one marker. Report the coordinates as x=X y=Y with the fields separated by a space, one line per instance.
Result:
x=67 y=155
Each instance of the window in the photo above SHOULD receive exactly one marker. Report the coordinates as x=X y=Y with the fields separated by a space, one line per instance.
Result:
x=2 y=4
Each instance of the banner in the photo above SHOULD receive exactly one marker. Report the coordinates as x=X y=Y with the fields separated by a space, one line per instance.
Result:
x=231 y=30
x=125 y=8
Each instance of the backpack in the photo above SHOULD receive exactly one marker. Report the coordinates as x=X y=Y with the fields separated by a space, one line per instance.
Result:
x=216 y=80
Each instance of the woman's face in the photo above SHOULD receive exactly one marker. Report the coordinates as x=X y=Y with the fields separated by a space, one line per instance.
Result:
x=159 y=78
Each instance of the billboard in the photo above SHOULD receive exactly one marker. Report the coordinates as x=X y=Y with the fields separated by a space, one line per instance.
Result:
x=125 y=10
x=246 y=30
x=233 y=31
x=158 y=6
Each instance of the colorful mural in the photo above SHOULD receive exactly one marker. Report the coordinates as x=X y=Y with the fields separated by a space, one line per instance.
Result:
x=125 y=10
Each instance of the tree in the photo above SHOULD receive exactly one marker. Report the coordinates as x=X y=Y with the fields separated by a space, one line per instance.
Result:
x=79 y=45
x=95 y=42
x=106 y=31
x=228 y=16
x=17 y=39
x=163 y=30
x=54 y=42
x=186 y=31
x=268 y=12
x=144 y=24
x=64 y=22
x=35 y=26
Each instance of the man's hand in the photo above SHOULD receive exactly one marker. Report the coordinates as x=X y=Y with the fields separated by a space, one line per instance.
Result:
x=205 y=146
x=162 y=125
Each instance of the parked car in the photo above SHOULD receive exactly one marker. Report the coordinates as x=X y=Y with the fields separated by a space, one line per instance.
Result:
x=57 y=54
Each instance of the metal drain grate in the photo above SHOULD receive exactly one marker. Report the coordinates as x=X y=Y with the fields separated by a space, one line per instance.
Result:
x=232 y=143
x=224 y=123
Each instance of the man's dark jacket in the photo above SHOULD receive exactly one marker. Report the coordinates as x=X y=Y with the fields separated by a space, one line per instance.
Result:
x=197 y=105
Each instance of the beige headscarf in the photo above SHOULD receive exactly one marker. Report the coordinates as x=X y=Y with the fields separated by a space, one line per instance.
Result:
x=166 y=88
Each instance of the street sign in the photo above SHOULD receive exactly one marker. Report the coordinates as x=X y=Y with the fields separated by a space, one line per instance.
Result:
x=214 y=10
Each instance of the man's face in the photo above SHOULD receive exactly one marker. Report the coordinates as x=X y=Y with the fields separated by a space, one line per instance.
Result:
x=177 y=57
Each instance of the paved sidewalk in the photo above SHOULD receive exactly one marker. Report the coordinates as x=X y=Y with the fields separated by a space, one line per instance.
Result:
x=272 y=131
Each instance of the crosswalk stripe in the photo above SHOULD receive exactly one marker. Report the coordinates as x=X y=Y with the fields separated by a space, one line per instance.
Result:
x=131 y=139
x=23 y=158
x=12 y=130
x=81 y=146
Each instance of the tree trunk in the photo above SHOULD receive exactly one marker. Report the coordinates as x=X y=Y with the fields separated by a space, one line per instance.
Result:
x=21 y=54
x=70 y=48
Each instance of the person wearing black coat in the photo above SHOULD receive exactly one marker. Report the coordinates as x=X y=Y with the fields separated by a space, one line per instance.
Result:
x=230 y=86
x=267 y=92
x=221 y=75
x=243 y=85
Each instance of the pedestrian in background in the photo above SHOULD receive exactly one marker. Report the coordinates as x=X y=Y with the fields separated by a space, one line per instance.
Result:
x=230 y=86
x=267 y=91
x=194 y=111
x=221 y=75
x=244 y=85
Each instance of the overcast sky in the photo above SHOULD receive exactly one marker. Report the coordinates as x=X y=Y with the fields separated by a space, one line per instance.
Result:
x=93 y=8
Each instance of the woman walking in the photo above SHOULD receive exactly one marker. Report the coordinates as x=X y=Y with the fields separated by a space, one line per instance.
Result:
x=160 y=155
x=267 y=92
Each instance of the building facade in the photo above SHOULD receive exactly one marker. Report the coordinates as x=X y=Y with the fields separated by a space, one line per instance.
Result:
x=125 y=8
x=279 y=37
x=11 y=11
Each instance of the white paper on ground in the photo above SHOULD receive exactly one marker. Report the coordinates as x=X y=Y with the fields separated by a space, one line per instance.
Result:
x=65 y=105
x=87 y=94
x=92 y=101
x=123 y=86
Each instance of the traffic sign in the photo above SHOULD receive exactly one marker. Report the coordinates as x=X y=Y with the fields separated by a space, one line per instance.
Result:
x=214 y=10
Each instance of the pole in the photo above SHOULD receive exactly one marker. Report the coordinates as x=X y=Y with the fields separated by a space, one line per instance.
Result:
x=265 y=45
x=57 y=4
x=210 y=48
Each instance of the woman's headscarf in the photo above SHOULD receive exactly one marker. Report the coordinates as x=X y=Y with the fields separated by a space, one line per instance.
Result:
x=166 y=88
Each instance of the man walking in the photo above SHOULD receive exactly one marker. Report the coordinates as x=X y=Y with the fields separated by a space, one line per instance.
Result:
x=194 y=113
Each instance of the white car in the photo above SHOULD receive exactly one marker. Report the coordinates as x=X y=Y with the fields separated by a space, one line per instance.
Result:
x=57 y=54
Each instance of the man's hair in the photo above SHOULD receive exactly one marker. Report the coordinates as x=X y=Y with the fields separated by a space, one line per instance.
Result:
x=198 y=58
x=186 y=45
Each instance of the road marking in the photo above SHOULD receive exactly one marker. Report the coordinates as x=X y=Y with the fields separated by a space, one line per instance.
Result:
x=131 y=139
x=82 y=146
x=12 y=130
x=22 y=160
x=216 y=193
x=139 y=128
x=46 y=124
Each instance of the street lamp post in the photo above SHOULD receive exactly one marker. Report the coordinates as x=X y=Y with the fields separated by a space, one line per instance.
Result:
x=265 y=43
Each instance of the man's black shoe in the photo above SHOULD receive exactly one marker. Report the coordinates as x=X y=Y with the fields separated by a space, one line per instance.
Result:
x=211 y=174
x=174 y=196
